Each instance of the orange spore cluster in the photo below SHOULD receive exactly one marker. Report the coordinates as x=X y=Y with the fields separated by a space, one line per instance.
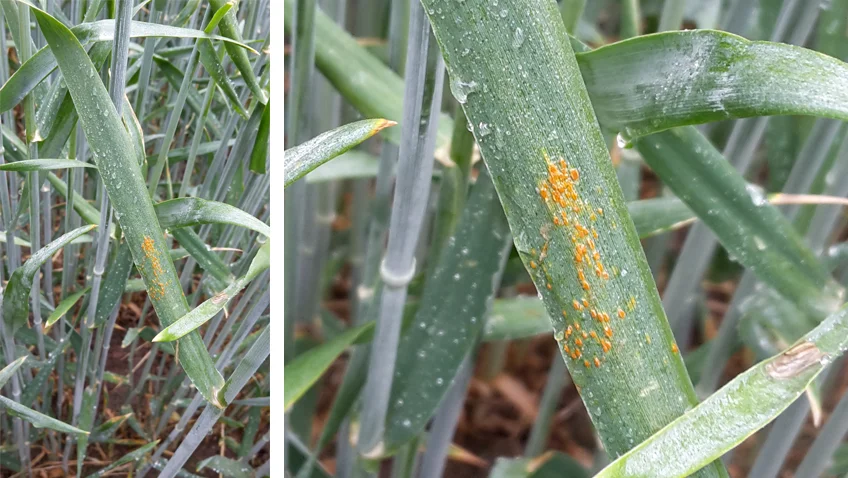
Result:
x=156 y=290
x=560 y=192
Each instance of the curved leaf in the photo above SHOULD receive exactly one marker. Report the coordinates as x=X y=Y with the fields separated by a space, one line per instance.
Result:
x=752 y=230
x=305 y=157
x=205 y=311
x=698 y=76
x=16 y=295
x=183 y=212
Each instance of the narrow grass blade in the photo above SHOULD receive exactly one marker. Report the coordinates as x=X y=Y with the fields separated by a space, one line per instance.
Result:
x=44 y=165
x=303 y=158
x=185 y=212
x=229 y=28
x=115 y=157
x=226 y=467
x=302 y=372
x=64 y=306
x=16 y=294
x=259 y=155
x=205 y=311
x=737 y=410
x=465 y=279
x=551 y=168
x=38 y=420
x=753 y=231
x=9 y=370
x=130 y=457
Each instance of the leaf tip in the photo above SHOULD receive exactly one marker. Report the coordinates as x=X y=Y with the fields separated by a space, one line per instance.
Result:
x=383 y=124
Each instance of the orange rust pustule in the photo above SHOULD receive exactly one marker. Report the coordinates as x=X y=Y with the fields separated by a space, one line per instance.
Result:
x=156 y=290
x=559 y=190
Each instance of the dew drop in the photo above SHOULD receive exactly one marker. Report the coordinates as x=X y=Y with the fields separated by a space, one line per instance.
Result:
x=483 y=129
x=518 y=38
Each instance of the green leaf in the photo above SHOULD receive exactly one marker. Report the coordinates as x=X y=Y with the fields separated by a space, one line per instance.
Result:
x=303 y=158
x=465 y=279
x=34 y=70
x=9 y=370
x=107 y=429
x=229 y=28
x=216 y=71
x=259 y=155
x=112 y=287
x=302 y=372
x=752 y=230
x=86 y=421
x=17 y=291
x=226 y=466
x=699 y=76
x=38 y=420
x=44 y=165
x=184 y=212
x=116 y=159
x=130 y=457
x=673 y=79
x=64 y=306
x=551 y=168
x=205 y=311
x=740 y=408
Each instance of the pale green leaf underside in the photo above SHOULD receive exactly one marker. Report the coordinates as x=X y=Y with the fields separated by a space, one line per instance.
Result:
x=9 y=370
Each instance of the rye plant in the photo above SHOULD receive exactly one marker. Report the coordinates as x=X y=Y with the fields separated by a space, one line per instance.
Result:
x=711 y=133
x=134 y=193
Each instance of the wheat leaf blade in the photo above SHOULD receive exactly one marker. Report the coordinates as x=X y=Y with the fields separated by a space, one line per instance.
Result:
x=116 y=159
x=305 y=157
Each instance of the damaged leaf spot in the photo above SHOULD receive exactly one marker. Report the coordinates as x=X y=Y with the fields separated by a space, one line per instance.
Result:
x=794 y=361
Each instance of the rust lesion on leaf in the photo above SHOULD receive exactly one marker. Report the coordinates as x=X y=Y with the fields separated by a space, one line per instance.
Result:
x=574 y=217
x=156 y=285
